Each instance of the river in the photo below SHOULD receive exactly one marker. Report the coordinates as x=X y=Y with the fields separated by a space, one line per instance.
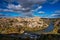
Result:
x=50 y=27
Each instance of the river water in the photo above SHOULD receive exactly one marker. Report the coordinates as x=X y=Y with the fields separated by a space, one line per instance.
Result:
x=50 y=27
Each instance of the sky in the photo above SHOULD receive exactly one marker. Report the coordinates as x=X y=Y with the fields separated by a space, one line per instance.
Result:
x=30 y=8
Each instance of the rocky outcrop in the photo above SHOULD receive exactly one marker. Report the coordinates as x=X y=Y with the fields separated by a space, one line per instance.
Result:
x=57 y=23
x=19 y=25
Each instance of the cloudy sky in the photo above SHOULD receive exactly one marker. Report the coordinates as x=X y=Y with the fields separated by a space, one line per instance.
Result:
x=30 y=8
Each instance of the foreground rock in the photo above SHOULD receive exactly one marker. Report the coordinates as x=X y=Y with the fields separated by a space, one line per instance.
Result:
x=19 y=25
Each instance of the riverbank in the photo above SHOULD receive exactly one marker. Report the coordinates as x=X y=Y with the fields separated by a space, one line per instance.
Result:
x=39 y=37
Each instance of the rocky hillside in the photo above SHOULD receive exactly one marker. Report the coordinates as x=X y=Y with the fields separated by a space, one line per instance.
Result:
x=19 y=25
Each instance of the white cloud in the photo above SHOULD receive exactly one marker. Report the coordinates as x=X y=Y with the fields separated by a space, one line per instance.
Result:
x=5 y=10
x=38 y=8
x=53 y=1
x=57 y=11
x=41 y=12
x=25 y=5
x=17 y=8
x=31 y=1
x=37 y=1
x=12 y=6
x=24 y=1
x=56 y=14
